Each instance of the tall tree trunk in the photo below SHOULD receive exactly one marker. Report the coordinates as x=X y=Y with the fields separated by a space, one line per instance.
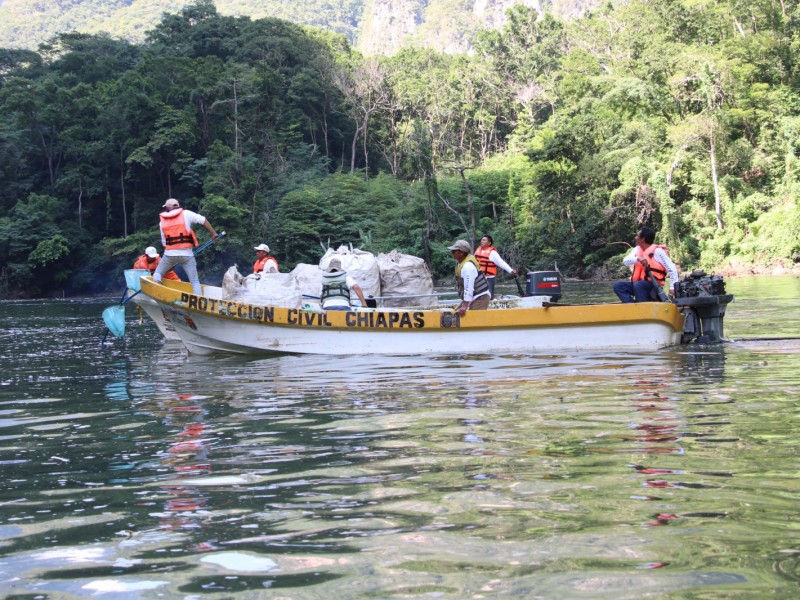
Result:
x=325 y=131
x=236 y=122
x=80 y=203
x=427 y=234
x=366 y=153
x=715 y=179
x=122 y=187
x=359 y=129
x=470 y=205
x=51 y=169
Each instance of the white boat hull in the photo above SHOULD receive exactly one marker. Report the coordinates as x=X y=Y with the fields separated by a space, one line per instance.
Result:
x=209 y=324
x=157 y=315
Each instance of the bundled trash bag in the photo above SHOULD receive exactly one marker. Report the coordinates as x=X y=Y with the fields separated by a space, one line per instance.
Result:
x=360 y=265
x=309 y=278
x=405 y=275
x=268 y=289
x=232 y=284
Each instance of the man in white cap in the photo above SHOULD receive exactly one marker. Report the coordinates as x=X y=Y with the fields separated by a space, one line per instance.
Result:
x=336 y=286
x=472 y=285
x=264 y=262
x=179 y=241
x=149 y=261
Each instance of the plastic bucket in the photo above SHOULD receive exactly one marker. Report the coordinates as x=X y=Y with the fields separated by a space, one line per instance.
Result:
x=132 y=278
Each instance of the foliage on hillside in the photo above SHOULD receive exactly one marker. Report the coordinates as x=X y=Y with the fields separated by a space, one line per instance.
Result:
x=558 y=138
x=26 y=23
x=376 y=26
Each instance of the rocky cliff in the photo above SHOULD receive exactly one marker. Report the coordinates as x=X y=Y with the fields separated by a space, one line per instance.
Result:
x=445 y=25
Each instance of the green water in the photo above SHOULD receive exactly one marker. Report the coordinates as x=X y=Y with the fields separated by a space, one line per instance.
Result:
x=134 y=471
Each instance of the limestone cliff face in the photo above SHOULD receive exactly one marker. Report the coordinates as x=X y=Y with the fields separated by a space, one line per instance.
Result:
x=493 y=12
x=446 y=25
x=387 y=24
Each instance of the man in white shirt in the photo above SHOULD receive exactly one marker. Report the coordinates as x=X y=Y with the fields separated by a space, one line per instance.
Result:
x=336 y=286
x=179 y=241
x=472 y=285
x=489 y=259
x=649 y=261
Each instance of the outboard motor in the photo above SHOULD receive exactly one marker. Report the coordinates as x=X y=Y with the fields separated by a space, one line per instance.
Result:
x=703 y=301
x=543 y=283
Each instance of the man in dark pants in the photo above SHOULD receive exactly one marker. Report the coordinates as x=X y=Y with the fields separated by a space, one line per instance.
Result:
x=646 y=259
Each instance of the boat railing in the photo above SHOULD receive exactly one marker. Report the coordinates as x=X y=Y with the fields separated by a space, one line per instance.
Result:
x=440 y=298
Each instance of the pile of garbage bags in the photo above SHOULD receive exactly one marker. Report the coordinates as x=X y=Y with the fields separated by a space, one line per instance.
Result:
x=395 y=279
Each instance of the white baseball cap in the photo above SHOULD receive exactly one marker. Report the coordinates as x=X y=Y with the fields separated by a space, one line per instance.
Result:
x=151 y=252
x=263 y=247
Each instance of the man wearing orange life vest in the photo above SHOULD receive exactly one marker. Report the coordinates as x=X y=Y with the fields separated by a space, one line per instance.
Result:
x=149 y=261
x=645 y=256
x=179 y=241
x=264 y=262
x=489 y=260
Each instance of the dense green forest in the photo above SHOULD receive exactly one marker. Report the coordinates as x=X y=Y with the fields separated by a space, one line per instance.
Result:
x=558 y=138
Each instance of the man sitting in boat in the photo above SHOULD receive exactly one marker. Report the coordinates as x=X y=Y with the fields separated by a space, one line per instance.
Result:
x=336 y=286
x=149 y=261
x=472 y=285
x=649 y=261
x=264 y=262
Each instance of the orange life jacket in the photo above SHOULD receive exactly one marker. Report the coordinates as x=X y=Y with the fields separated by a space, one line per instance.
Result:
x=259 y=265
x=656 y=268
x=143 y=263
x=488 y=267
x=176 y=236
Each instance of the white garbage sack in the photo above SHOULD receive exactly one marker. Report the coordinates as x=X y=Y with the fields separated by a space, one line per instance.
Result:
x=268 y=289
x=360 y=265
x=232 y=284
x=309 y=277
x=405 y=275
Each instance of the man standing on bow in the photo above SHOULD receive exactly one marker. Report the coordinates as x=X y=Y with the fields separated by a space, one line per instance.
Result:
x=646 y=259
x=179 y=241
x=472 y=285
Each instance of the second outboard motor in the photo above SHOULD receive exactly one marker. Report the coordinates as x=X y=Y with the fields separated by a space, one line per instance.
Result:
x=543 y=283
x=703 y=300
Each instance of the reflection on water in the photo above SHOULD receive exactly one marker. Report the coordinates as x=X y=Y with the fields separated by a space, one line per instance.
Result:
x=138 y=472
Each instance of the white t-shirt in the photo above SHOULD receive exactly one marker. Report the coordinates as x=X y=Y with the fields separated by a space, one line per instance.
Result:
x=469 y=273
x=190 y=218
x=497 y=259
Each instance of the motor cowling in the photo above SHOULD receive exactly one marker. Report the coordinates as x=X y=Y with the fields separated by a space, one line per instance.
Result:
x=703 y=301
x=543 y=283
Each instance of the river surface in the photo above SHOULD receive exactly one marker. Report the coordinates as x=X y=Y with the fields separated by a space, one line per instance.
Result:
x=132 y=470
